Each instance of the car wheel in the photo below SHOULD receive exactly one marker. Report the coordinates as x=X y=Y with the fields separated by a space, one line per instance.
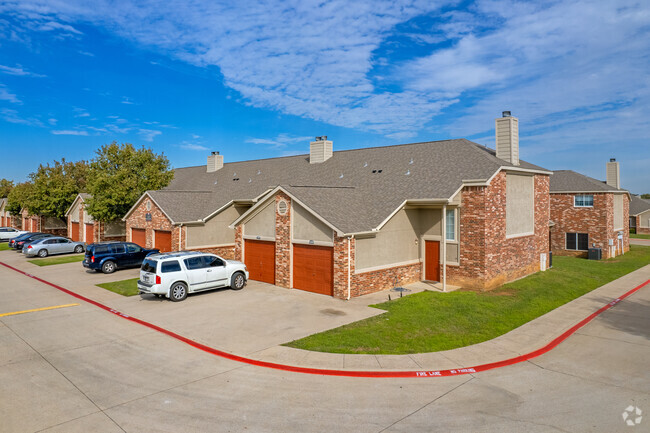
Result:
x=42 y=253
x=78 y=249
x=238 y=281
x=108 y=267
x=178 y=292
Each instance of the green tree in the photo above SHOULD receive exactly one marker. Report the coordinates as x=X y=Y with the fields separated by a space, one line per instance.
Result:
x=20 y=197
x=5 y=187
x=645 y=196
x=119 y=175
x=56 y=186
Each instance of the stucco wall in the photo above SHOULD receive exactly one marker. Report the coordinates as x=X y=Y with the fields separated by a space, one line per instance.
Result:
x=396 y=242
x=430 y=221
x=643 y=219
x=307 y=227
x=74 y=212
x=215 y=231
x=618 y=211
x=263 y=223
x=520 y=204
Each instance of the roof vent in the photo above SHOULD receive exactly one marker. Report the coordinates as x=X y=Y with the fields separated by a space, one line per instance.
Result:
x=507 y=138
x=320 y=150
x=215 y=162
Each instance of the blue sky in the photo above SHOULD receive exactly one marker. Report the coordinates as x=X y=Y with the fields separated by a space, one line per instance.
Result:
x=260 y=79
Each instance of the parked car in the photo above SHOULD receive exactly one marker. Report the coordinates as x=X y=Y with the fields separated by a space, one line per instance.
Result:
x=174 y=275
x=7 y=233
x=28 y=238
x=17 y=238
x=54 y=245
x=110 y=256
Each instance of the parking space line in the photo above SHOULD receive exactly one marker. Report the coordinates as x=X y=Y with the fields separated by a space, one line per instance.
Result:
x=37 y=309
x=347 y=373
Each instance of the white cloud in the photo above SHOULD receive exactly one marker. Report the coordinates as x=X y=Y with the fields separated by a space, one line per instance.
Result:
x=148 y=134
x=127 y=100
x=192 y=146
x=281 y=141
x=6 y=95
x=52 y=121
x=18 y=71
x=69 y=132
x=12 y=116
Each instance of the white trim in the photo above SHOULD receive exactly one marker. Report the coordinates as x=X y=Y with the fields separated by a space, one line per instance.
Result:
x=137 y=203
x=444 y=246
x=312 y=242
x=589 y=192
x=258 y=238
x=520 y=235
x=73 y=204
x=381 y=267
x=219 y=210
x=526 y=170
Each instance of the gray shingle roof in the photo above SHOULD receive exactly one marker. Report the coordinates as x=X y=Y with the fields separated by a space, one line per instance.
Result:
x=570 y=181
x=638 y=205
x=344 y=190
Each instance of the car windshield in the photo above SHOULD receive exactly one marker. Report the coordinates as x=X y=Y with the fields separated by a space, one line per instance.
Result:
x=149 y=265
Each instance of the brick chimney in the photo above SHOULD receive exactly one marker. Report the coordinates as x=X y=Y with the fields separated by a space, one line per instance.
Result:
x=215 y=162
x=320 y=150
x=613 y=173
x=507 y=138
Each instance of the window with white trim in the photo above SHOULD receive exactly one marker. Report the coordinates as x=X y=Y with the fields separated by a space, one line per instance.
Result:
x=583 y=200
x=450 y=226
x=577 y=241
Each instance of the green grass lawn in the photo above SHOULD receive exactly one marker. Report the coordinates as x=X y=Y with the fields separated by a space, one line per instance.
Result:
x=4 y=246
x=433 y=321
x=57 y=260
x=125 y=287
x=639 y=236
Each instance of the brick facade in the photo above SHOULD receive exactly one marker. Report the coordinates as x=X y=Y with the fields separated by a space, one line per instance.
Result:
x=487 y=258
x=138 y=219
x=596 y=221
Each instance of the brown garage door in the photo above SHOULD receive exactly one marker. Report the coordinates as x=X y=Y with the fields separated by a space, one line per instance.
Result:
x=139 y=236
x=259 y=257
x=74 y=231
x=90 y=235
x=313 y=268
x=163 y=241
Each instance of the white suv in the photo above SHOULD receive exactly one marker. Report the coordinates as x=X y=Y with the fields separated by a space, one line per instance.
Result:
x=174 y=275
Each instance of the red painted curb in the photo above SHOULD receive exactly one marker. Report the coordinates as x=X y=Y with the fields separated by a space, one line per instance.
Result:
x=325 y=372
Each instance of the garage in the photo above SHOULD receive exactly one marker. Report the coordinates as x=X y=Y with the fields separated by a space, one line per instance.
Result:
x=313 y=268
x=74 y=231
x=139 y=236
x=259 y=257
x=163 y=240
x=90 y=238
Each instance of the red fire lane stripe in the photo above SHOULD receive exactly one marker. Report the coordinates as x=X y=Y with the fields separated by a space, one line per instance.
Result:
x=346 y=373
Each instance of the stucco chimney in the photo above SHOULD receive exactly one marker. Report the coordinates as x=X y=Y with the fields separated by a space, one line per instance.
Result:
x=320 y=150
x=215 y=162
x=613 y=173
x=506 y=129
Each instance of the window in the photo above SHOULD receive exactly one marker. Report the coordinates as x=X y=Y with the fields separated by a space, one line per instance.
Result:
x=194 y=263
x=577 y=241
x=450 y=225
x=213 y=261
x=133 y=248
x=583 y=200
x=172 y=266
x=117 y=249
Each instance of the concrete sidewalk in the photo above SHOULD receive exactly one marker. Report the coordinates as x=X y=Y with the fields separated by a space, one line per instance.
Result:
x=525 y=339
x=284 y=315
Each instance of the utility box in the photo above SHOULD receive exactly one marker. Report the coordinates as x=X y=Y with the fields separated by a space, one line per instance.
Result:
x=595 y=253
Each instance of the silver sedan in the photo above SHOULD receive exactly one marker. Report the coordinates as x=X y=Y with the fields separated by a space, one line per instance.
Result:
x=55 y=245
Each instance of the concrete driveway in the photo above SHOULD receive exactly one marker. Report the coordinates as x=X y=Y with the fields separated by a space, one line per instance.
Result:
x=245 y=322
x=80 y=369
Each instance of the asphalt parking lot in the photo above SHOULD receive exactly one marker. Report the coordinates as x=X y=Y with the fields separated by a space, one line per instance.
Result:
x=79 y=368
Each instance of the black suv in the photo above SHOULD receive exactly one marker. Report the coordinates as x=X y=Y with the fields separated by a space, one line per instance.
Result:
x=109 y=256
x=22 y=240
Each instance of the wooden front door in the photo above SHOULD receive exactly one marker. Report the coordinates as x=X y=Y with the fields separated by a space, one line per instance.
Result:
x=432 y=260
x=74 y=231
x=313 y=268
x=259 y=258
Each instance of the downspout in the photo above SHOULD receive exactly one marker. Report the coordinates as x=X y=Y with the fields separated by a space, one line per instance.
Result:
x=180 y=237
x=349 y=265
x=444 y=247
